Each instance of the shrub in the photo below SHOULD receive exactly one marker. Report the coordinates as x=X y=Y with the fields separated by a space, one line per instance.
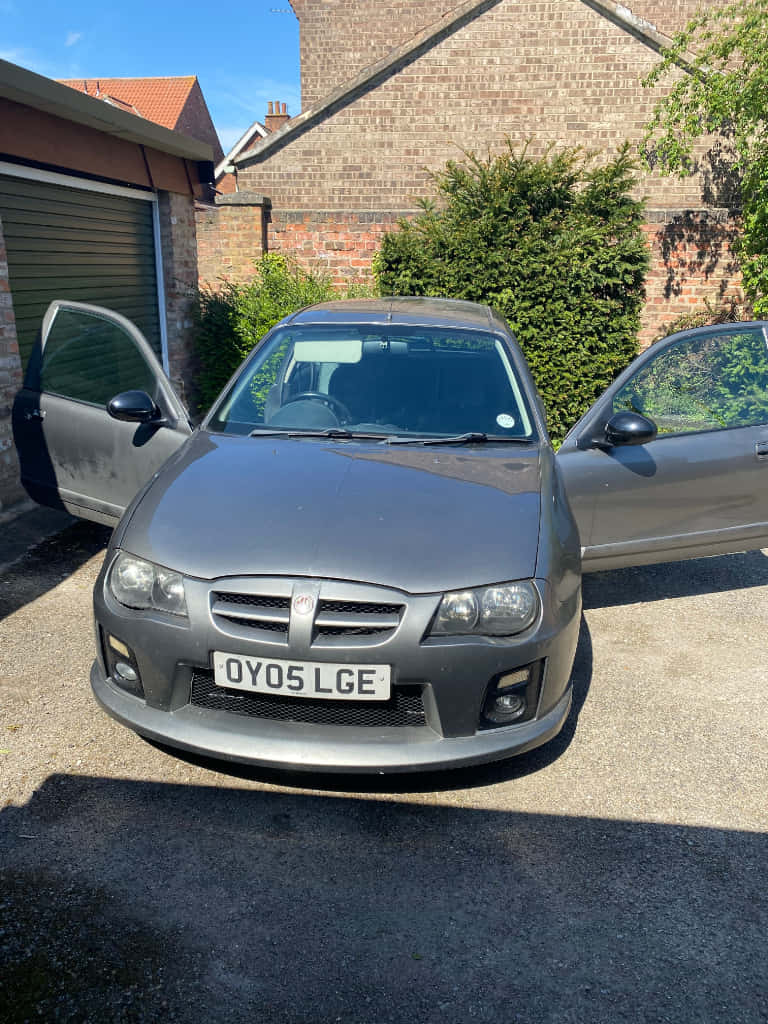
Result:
x=554 y=244
x=724 y=53
x=232 y=318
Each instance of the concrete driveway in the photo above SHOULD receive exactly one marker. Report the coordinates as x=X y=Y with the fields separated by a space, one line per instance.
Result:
x=621 y=873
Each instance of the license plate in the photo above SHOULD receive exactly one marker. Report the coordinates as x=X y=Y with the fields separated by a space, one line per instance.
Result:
x=327 y=680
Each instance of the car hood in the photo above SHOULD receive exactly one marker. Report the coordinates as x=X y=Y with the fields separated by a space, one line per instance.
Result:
x=422 y=519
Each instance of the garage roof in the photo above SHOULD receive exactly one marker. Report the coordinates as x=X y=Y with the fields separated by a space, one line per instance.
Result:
x=33 y=90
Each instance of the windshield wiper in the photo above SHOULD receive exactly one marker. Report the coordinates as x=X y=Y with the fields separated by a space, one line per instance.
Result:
x=335 y=433
x=471 y=437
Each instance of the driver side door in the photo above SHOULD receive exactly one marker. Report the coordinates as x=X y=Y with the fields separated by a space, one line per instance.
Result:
x=73 y=453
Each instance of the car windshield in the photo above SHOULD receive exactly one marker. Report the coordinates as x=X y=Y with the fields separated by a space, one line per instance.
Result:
x=380 y=381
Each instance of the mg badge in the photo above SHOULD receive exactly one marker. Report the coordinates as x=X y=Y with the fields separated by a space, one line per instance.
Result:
x=304 y=604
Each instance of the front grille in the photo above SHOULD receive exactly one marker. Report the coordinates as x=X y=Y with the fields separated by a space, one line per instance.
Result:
x=254 y=600
x=338 y=620
x=257 y=612
x=405 y=707
x=359 y=608
x=272 y=627
x=337 y=623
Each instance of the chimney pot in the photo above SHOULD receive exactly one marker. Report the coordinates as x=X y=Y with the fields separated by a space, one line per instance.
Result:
x=277 y=115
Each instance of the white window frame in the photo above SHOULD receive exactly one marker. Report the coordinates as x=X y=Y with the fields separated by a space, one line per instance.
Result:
x=88 y=185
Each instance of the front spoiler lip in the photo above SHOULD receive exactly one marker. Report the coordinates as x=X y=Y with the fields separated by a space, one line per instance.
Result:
x=314 y=748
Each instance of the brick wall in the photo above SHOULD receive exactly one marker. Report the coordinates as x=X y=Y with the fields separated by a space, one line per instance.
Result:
x=10 y=382
x=338 y=38
x=230 y=236
x=691 y=258
x=341 y=245
x=547 y=71
x=195 y=121
x=179 y=252
x=552 y=72
x=669 y=16
x=692 y=264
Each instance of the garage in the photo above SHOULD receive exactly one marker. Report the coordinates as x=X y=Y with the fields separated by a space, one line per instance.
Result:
x=80 y=240
x=97 y=204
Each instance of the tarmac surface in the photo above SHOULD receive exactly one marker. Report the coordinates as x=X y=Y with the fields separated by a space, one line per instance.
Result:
x=618 y=874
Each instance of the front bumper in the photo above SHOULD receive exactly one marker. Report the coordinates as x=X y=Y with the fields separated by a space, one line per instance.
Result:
x=453 y=673
x=302 y=747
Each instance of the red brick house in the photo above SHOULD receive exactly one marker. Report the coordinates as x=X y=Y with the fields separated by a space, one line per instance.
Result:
x=392 y=90
x=175 y=103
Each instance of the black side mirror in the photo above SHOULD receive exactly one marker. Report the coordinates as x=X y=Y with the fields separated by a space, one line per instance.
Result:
x=628 y=428
x=133 y=406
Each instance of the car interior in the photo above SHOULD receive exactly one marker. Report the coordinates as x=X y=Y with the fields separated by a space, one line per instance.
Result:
x=391 y=387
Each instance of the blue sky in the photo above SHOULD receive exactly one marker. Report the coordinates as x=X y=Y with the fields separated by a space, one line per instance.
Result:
x=244 y=55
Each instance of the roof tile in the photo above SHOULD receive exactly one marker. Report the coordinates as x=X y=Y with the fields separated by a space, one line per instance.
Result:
x=157 y=99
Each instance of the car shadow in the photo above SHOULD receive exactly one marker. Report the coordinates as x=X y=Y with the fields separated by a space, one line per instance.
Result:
x=144 y=901
x=420 y=782
x=639 y=584
x=48 y=563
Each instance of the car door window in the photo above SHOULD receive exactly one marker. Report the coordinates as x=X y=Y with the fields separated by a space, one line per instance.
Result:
x=91 y=359
x=710 y=382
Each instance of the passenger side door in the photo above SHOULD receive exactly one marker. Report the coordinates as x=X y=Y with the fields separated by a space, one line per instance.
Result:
x=700 y=487
x=73 y=453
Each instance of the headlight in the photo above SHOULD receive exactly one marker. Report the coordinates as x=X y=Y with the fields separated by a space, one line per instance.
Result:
x=137 y=583
x=501 y=610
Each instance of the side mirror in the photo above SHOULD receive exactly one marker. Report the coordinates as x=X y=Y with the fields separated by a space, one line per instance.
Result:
x=134 y=406
x=625 y=428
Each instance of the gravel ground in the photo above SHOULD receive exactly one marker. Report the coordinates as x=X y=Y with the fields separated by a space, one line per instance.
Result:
x=618 y=874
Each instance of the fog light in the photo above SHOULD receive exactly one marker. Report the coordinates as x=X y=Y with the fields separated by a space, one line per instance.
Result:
x=508 y=706
x=126 y=672
x=513 y=697
x=121 y=665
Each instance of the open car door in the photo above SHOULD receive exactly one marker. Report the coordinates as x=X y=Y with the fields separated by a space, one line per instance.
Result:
x=97 y=416
x=698 y=484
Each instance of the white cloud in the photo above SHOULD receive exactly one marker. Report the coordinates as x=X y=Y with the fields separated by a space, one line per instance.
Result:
x=72 y=38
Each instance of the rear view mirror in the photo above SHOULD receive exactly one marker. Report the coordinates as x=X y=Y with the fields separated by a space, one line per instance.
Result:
x=625 y=428
x=133 y=406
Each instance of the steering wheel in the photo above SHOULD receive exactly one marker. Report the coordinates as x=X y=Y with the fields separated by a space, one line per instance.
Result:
x=338 y=408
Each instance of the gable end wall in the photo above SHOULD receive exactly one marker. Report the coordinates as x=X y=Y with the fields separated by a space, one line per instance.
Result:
x=338 y=38
x=552 y=71
x=549 y=71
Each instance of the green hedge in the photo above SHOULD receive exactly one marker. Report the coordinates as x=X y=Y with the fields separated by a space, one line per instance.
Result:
x=232 y=318
x=555 y=244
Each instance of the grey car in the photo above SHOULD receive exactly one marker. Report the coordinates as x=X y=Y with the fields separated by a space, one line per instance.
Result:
x=368 y=556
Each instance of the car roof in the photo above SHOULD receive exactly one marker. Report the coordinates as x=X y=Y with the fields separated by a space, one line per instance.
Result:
x=413 y=310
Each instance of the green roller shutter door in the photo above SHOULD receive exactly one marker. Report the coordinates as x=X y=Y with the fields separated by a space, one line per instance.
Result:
x=69 y=243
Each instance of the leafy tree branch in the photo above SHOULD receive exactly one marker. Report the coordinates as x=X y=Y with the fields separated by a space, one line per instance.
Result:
x=722 y=92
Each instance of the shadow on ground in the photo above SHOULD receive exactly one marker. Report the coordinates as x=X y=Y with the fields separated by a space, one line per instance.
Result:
x=675 y=579
x=50 y=562
x=139 y=901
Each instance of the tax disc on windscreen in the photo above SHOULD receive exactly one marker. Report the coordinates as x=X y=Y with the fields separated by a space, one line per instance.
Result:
x=505 y=420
